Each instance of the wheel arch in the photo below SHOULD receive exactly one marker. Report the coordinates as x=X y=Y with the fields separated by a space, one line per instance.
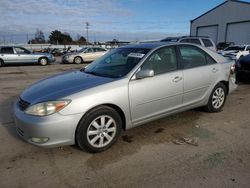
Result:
x=2 y=60
x=113 y=106
x=42 y=58
x=226 y=84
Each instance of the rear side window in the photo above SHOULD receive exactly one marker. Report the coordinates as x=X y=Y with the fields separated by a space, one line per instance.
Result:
x=248 y=48
x=6 y=50
x=192 y=57
x=207 y=42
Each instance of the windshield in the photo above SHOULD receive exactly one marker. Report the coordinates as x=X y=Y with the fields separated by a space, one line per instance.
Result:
x=117 y=63
x=240 y=48
x=82 y=50
x=170 y=39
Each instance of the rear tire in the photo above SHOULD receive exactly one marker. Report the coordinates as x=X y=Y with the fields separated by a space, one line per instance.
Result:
x=217 y=98
x=43 y=61
x=1 y=63
x=78 y=60
x=99 y=129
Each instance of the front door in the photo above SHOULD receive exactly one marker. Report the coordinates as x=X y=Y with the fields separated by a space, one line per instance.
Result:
x=157 y=95
x=23 y=55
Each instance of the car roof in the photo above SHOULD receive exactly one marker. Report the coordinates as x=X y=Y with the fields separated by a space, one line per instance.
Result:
x=11 y=47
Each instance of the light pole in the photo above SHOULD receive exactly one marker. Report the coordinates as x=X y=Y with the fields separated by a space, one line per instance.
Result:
x=87 y=28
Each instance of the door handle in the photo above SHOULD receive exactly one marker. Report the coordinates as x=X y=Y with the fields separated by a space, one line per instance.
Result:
x=177 y=79
x=214 y=70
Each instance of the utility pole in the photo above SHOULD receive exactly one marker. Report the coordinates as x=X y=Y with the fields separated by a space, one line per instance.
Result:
x=27 y=38
x=87 y=29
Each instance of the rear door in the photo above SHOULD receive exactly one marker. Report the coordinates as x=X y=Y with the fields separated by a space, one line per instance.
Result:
x=200 y=71
x=155 y=96
x=8 y=55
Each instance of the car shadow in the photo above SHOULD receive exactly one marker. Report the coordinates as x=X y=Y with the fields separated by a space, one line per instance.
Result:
x=24 y=64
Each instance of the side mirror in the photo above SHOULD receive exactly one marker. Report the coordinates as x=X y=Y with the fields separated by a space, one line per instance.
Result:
x=144 y=74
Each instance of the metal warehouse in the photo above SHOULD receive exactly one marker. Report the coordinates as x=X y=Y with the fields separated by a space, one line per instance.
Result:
x=228 y=22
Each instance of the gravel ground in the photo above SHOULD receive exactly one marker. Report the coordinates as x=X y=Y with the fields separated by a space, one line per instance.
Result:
x=143 y=157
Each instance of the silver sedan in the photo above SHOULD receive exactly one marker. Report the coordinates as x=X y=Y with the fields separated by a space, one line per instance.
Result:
x=126 y=87
x=17 y=54
x=86 y=54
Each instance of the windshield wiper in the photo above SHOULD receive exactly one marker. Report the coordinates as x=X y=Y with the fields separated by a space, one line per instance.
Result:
x=93 y=73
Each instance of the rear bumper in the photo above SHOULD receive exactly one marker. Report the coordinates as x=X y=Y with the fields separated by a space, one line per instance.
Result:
x=59 y=129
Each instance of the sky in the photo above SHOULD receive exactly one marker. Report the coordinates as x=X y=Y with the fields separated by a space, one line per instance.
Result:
x=108 y=19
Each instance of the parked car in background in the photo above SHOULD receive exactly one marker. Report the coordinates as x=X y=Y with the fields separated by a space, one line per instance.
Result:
x=126 y=87
x=17 y=54
x=236 y=51
x=243 y=69
x=86 y=54
x=203 y=41
x=223 y=45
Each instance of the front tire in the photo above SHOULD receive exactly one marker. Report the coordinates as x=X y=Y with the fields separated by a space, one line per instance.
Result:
x=217 y=98
x=43 y=61
x=99 y=129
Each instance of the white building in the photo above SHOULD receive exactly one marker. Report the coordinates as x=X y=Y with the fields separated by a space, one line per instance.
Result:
x=228 y=22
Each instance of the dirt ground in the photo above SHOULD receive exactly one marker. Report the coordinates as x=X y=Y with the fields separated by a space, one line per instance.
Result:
x=143 y=157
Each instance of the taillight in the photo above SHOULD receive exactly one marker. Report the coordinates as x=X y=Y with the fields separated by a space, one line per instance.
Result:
x=233 y=68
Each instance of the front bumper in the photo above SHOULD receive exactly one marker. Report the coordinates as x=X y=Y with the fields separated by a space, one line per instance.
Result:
x=59 y=129
x=67 y=60
x=52 y=59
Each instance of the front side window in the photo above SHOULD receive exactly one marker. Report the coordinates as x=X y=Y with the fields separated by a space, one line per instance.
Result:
x=7 y=50
x=191 y=57
x=89 y=50
x=21 y=50
x=116 y=63
x=161 y=61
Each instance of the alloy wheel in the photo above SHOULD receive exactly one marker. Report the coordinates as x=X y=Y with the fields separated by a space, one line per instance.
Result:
x=218 y=98
x=101 y=131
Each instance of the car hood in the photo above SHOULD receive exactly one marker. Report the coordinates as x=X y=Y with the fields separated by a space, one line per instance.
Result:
x=61 y=86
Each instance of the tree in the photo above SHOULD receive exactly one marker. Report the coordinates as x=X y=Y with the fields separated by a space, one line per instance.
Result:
x=39 y=38
x=57 y=37
x=81 y=41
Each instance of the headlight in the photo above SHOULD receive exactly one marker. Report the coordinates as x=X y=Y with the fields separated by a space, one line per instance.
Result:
x=47 y=108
